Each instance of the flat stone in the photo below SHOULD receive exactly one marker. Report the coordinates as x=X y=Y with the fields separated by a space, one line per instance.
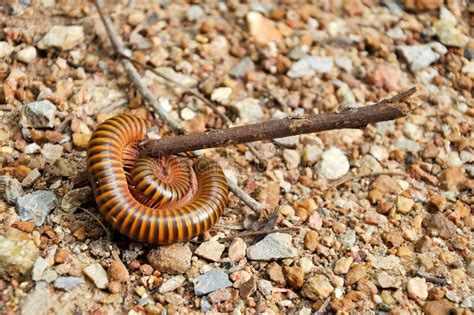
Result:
x=38 y=268
x=39 y=114
x=67 y=283
x=418 y=56
x=36 y=302
x=176 y=77
x=211 y=250
x=18 y=252
x=31 y=178
x=449 y=34
x=52 y=152
x=309 y=66
x=250 y=110
x=262 y=29
x=36 y=206
x=417 y=288
x=385 y=262
x=244 y=66
x=438 y=225
x=334 y=164
x=221 y=94
x=237 y=249
x=211 y=281
x=172 y=284
x=98 y=275
x=173 y=259
x=273 y=246
x=11 y=189
x=342 y=265
x=62 y=37
x=5 y=49
x=386 y=280
x=317 y=287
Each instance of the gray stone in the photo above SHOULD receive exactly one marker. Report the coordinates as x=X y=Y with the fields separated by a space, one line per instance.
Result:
x=385 y=262
x=11 y=189
x=62 y=37
x=298 y=52
x=273 y=246
x=309 y=66
x=288 y=142
x=36 y=302
x=242 y=68
x=211 y=281
x=17 y=251
x=75 y=198
x=172 y=284
x=194 y=13
x=205 y=305
x=98 y=275
x=334 y=164
x=38 y=114
x=39 y=267
x=418 y=56
x=344 y=63
x=176 y=77
x=32 y=148
x=31 y=178
x=348 y=239
x=52 y=152
x=36 y=206
x=250 y=110
x=311 y=154
x=67 y=283
x=49 y=275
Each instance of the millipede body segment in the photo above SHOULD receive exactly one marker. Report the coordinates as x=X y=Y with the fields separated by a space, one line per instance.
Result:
x=153 y=200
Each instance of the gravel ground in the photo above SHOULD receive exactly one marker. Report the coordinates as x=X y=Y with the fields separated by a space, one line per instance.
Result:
x=394 y=237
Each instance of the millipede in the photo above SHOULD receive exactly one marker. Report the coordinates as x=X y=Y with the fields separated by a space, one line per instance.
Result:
x=160 y=200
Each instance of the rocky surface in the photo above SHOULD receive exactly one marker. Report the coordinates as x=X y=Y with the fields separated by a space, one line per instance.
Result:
x=394 y=238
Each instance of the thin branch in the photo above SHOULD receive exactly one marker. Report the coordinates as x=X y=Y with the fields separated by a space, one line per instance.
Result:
x=98 y=221
x=264 y=232
x=384 y=110
x=343 y=180
x=173 y=124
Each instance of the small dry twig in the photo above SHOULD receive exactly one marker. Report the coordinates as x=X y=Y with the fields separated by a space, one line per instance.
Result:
x=109 y=235
x=264 y=232
x=343 y=180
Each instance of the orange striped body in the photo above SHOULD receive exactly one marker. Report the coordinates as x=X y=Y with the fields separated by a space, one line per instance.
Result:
x=157 y=201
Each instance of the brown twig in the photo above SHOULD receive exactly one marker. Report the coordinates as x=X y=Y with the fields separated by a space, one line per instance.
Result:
x=264 y=232
x=384 y=110
x=343 y=180
x=173 y=124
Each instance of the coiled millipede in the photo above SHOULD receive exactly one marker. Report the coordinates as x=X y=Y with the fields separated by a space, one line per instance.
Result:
x=152 y=200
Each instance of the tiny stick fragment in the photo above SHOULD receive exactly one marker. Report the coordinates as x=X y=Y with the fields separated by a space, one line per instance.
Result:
x=388 y=109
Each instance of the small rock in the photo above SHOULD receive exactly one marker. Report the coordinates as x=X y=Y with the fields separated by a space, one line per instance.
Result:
x=194 y=13
x=62 y=37
x=38 y=268
x=344 y=63
x=11 y=189
x=295 y=277
x=385 y=262
x=356 y=273
x=288 y=142
x=273 y=246
x=244 y=66
x=417 y=288
x=311 y=154
x=97 y=274
x=309 y=66
x=32 y=148
x=172 y=284
x=220 y=295
x=75 y=198
x=52 y=152
x=173 y=259
x=17 y=251
x=404 y=205
x=317 y=287
x=26 y=226
x=31 y=178
x=315 y=221
x=311 y=240
x=250 y=110
x=136 y=18
x=275 y=273
x=5 y=49
x=441 y=307
x=262 y=29
x=292 y=158
x=265 y=287
x=342 y=265
x=438 y=225
x=374 y=218
x=418 y=56
x=36 y=302
x=237 y=249
x=205 y=305
x=449 y=34
x=211 y=281
x=67 y=283
x=118 y=272
x=412 y=131
x=348 y=239
x=61 y=255
x=38 y=114
x=386 y=281
x=437 y=203
x=36 y=206
x=211 y=250
x=80 y=140
x=187 y=114
x=334 y=164
x=27 y=54
x=387 y=185
x=176 y=77
x=221 y=94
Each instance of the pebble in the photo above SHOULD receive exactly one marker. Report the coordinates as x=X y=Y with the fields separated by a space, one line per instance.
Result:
x=244 y=66
x=344 y=63
x=438 y=225
x=62 y=37
x=172 y=284
x=306 y=264
x=80 y=140
x=32 y=148
x=18 y=252
x=262 y=29
x=205 y=305
x=176 y=77
x=135 y=18
x=264 y=286
x=11 y=189
x=117 y=272
x=50 y=275
x=449 y=34
x=387 y=185
x=288 y=142
x=309 y=66
x=387 y=281
x=334 y=164
x=27 y=54
x=418 y=56
x=38 y=268
x=75 y=198
x=98 y=275
x=237 y=250
x=412 y=131
x=342 y=265
x=317 y=287
x=39 y=114
x=220 y=295
x=355 y=274
x=273 y=246
x=348 y=239
x=194 y=13
x=311 y=154
x=292 y=158
x=385 y=262
x=52 y=152
x=5 y=49
x=404 y=205
x=417 y=288
x=295 y=277
x=173 y=259
x=31 y=178
x=315 y=221
x=36 y=206
x=275 y=274
x=211 y=250
x=36 y=302
x=250 y=110
x=211 y=281
x=67 y=283
x=441 y=307
x=221 y=94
